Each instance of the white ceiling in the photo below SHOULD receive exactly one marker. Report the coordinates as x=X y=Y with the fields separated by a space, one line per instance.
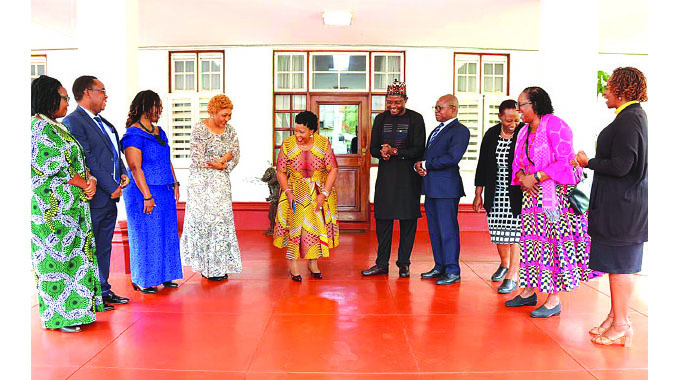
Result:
x=486 y=24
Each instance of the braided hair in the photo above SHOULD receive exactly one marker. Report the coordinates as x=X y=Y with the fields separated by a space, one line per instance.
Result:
x=45 y=98
x=628 y=82
x=142 y=104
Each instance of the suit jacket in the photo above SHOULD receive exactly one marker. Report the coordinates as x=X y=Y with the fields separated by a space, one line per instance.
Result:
x=618 y=199
x=99 y=155
x=441 y=161
x=487 y=167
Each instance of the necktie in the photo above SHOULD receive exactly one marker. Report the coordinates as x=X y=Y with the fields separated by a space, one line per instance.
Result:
x=115 y=151
x=435 y=133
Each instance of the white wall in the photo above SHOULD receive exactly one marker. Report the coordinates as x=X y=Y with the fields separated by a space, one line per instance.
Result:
x=248 y=80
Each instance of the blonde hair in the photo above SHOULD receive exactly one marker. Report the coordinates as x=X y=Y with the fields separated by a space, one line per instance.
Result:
x=218 y=103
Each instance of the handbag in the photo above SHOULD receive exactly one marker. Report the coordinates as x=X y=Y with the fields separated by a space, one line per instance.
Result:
x=579 y=197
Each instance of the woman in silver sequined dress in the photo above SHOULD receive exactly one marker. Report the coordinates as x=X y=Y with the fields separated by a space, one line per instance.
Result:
x=209 y=242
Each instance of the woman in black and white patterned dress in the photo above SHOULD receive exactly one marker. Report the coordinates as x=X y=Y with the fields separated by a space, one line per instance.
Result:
x=502 y=202
x=209 y=241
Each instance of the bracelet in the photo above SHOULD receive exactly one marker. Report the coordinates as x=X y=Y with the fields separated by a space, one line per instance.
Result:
x=148 y=199
x=537 y=177
x=174 y=184
x=325 y=192
x=287 y=190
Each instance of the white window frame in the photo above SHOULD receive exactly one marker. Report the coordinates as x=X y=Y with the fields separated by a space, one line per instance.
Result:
x=462 y=59
x=38 y=60
x=290 y=72
x=366 y=73
x=374 y=71
x=196 y=57
x=210 y=57
x=494 y=59
x=198 y=110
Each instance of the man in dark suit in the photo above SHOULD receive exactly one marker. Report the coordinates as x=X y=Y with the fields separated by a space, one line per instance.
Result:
x=103 y=156
x=443 y=187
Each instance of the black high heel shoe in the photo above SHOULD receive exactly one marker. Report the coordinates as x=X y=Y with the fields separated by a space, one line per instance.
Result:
x=316 y=275
x=170 y=284
x=148 y=290
x=297 y=278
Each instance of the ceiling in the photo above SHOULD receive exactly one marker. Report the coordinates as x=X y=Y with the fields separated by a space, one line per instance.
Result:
x=484 y=24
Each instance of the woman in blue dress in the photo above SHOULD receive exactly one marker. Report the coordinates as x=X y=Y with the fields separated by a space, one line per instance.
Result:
x=151 y=201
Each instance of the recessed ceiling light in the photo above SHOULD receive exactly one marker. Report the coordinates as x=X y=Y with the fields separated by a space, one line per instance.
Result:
x=341 y=18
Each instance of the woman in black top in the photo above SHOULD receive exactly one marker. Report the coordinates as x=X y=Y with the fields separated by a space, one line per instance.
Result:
x=502 y=202
x=617 y=219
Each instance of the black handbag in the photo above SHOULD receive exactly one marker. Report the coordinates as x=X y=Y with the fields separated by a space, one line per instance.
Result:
x=579 y=197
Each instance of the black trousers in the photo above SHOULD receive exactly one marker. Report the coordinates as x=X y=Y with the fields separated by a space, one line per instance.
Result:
x=103 y=224
x=407 y=236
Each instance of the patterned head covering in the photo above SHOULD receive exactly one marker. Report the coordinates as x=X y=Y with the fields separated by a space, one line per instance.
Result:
x=397 y=88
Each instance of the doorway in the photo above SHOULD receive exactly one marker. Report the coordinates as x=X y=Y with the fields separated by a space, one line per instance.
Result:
x=345 y=121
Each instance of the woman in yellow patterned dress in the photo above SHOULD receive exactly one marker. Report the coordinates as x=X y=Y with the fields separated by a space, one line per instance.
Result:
x=307 y=215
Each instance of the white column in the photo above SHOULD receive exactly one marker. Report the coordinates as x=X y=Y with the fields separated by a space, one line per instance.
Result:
x=568 y=44
x=108 y=35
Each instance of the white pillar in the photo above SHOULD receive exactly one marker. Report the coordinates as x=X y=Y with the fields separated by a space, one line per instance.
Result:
x=568 y=44
x=108 y=41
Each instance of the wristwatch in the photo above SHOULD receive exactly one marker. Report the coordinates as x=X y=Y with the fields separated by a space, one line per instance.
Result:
x=325 y=192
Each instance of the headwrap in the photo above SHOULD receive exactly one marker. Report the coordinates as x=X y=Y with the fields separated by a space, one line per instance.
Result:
x=397 y=89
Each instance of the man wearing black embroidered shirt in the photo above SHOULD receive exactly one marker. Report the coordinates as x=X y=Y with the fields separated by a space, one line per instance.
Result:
x=398 y=141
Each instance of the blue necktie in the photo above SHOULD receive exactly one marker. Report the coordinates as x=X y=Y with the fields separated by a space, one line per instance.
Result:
x=115 y=151
x=435 y=133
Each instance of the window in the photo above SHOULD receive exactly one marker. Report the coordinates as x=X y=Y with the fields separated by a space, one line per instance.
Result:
x=386 y=68
x=298 y=73
x=339 y=71
x=480 y=84
x=38 y=66
x=285 y=108
x=196 y=71
x=195 y=77
x=290 y=72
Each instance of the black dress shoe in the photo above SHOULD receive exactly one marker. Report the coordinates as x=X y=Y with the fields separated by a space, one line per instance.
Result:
x=448 y=279
x=508 y=286
x=170 y=284
x=147 y=290
x=108 y=307
x=499 y=274
x=532 y=300
x=434 y=273
x=404 y=271
x=115 y=299
x=70 y=329
x=544 y=312
x=374 y=270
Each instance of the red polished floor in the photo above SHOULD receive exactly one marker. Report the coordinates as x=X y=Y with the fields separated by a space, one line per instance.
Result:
x=261 y=325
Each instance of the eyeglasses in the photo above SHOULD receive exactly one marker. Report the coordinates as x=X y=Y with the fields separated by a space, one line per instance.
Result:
x=438 y=108
x=65 y=97
x=102 y=90
x=522 y=104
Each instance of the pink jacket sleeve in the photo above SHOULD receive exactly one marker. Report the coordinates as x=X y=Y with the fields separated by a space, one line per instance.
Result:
x=562 y=145
x=521 y=139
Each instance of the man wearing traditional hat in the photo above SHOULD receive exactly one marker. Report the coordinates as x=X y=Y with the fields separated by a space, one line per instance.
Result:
x=398 y=141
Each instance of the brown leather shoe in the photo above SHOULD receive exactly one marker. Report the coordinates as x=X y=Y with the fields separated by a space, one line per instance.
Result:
x=374 y=270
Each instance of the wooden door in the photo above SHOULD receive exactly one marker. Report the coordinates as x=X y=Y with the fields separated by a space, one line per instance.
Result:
x=345 y=121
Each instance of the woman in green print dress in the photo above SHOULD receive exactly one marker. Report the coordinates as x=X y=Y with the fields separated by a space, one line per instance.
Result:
x=62 y=243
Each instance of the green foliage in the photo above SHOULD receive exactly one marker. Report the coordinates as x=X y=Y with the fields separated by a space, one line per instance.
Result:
x=602 y=79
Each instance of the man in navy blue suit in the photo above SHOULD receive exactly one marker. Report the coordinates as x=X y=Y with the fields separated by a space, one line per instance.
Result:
x=443 y=187
x=103 y=156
